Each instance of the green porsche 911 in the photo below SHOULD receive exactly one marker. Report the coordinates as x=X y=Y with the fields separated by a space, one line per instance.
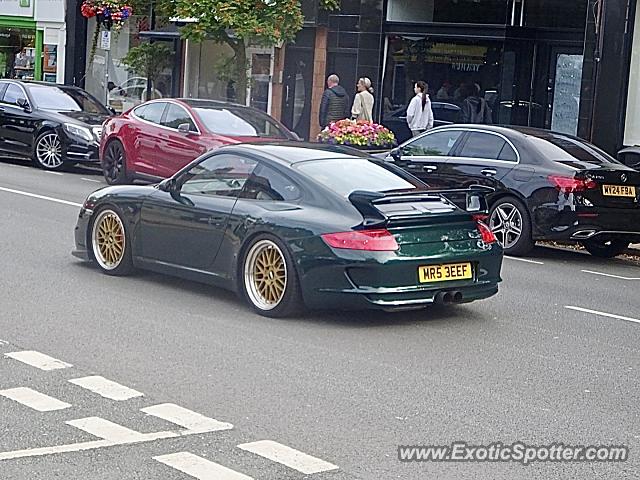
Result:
x=289 y=226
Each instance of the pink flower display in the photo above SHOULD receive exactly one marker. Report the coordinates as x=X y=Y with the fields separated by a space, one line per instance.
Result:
x=359 y=133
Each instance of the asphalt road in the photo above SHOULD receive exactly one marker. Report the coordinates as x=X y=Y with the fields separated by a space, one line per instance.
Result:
x=343 y=388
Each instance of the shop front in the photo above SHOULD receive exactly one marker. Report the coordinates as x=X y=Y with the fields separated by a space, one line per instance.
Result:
x=526 y=64
x=32 y=40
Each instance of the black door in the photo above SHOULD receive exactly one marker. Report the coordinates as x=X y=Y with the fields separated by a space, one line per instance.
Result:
x=426 y=156
x=297 y=91
x=482 y=158
x=17 y=125
x=184 y=228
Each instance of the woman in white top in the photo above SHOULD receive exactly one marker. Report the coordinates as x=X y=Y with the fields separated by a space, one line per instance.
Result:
x=363 y=102
x=419 y=113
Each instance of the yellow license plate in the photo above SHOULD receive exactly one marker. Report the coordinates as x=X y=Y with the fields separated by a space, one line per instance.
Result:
x=443 y=273
x=618 y=191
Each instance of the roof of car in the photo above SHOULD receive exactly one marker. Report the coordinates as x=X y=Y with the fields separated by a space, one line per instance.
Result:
x=204 y=103
x=42 y=84
x=295 y=152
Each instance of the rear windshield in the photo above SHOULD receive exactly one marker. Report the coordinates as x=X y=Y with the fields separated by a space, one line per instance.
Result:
x=344 y=176
x=564 y=149
x=239 y=122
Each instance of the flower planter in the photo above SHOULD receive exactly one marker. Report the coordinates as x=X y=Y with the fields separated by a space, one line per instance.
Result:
x=363 y=135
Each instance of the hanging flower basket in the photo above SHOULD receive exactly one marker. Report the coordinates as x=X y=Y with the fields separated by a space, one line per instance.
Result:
x=110 y=15
x=359 y=134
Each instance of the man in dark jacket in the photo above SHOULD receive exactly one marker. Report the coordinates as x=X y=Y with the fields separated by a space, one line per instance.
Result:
x=335 y=102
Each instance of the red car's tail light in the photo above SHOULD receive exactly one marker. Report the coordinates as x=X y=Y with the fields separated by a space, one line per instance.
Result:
x=572 y=185
x=487 y=235
x=373 y=240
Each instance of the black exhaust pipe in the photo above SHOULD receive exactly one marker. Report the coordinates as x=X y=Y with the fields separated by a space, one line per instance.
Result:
x=457 y=297
x=448 y=298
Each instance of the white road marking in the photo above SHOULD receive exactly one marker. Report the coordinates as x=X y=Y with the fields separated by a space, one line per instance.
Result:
x=38 y=360
x=288 y=456
x=106 y=388
x=199 y=467
x=188 y=419
x=90 y=180
x=619 y=277
x=106 y=430
x=526 y=260
x=33 y=399
x=603 y=314
x=41 y=197
x=96 y=444
x=53 y=173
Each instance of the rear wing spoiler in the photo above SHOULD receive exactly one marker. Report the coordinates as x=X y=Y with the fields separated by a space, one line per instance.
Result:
x=471 y=199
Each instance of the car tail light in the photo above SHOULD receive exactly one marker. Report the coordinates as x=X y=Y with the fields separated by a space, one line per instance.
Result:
x=371 y=240
x=571 y=184
x=487 y=235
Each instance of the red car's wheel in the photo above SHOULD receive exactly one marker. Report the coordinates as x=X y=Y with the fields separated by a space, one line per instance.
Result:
x=114 y=164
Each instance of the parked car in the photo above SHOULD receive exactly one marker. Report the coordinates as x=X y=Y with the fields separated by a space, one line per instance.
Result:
x=630 y=156
x=548 y=186
x=444 y=113
x=156 y=139
x=53 y=125
x=288 y=225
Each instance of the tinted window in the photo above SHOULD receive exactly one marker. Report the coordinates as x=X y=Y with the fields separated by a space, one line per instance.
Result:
x=508 y=154
x=12 y=94
x=3 y=87
x=239 y=122
x=483 y=145
x=434 y=144
x=560 y=148
x=176 y=115
x=267 y=184
x=67 y=100
x=347 y=175
x=218 y=175
x=152 y=112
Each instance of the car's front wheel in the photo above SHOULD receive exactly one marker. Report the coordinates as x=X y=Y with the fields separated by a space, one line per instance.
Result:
x=605 y=248
x=114 y=164
x=268 y=278
x=47 y=152
x=110 y=244
x=510 y=223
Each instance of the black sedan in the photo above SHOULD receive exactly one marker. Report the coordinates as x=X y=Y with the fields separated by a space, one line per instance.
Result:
x=287 y=226
x=52 y=125
x=444 y=113
x=548 y=186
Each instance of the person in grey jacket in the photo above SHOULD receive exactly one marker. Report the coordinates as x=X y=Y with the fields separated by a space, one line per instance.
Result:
x=334 y=105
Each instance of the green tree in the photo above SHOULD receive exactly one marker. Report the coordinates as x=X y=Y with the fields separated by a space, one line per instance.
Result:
x=235 y=22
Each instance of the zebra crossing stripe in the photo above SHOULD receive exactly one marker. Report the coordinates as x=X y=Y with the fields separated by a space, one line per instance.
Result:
x=34 y=399
x=199 y=467
x=192 y=421
x=107 y=430
x=106 y=388
x=288 y=456
x=38 y=360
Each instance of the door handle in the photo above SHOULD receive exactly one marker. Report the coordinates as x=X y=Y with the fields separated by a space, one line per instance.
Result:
x=489 y=172
x=430 y=168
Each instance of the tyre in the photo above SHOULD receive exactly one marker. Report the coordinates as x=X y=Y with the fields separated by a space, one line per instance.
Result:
x=510 y=222
x=47 y=153
x=114 y=164
x=268 y=278
x=109 y=242
x=605 y=248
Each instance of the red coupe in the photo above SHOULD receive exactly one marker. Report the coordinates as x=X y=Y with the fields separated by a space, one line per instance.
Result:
x=156 y=139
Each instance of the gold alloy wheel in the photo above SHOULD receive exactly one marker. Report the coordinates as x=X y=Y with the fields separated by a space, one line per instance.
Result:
x=108 y=240
x=265 y=275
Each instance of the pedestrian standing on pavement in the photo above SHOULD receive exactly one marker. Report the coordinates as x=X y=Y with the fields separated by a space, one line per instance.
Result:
x=362 y=108
x=419 y=112
x=334 y=105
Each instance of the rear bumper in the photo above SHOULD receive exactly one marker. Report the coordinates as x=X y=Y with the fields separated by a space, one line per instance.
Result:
x=551 y=223
x=381 y=280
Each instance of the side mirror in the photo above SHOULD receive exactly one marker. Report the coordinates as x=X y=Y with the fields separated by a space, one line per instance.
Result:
x=112 y=110
x=168 y=185
x=184 y=128
x=396 y=154
x=23 y=103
